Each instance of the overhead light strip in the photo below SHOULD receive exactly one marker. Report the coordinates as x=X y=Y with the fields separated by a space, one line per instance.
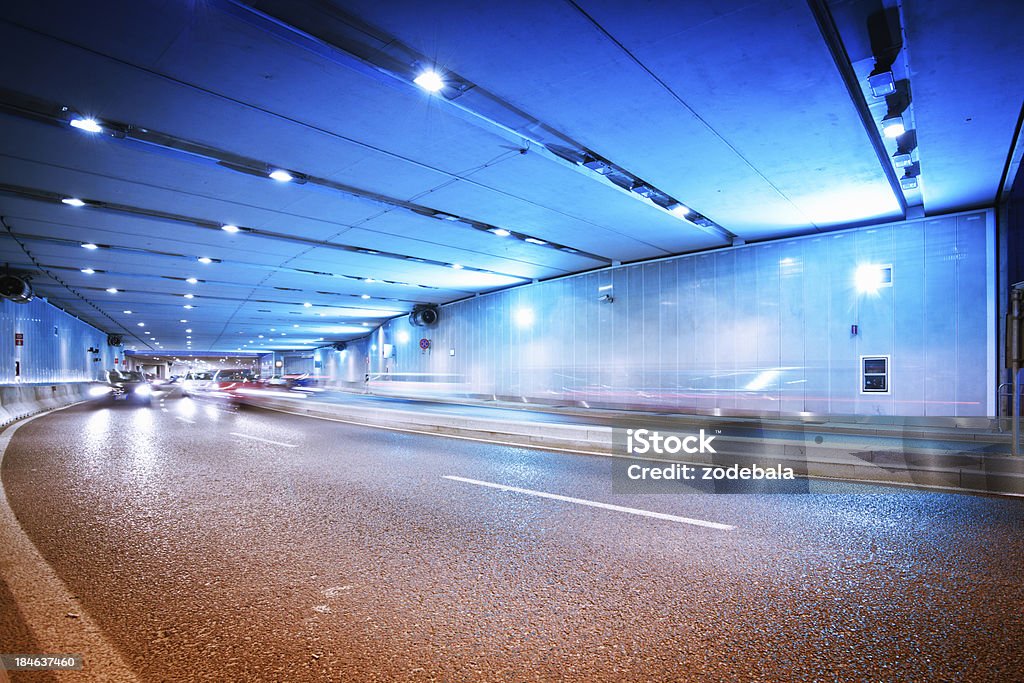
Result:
x=26 y=106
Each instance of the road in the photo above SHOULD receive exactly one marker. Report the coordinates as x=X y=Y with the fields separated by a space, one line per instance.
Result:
x=212 y=544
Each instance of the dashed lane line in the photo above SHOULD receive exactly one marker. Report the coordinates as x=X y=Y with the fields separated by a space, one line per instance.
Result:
x=596 y=504
x=257 y=438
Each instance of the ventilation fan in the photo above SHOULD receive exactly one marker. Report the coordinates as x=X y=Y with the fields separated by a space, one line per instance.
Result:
x=113 y=340
x=424 y=316
x=15 y=288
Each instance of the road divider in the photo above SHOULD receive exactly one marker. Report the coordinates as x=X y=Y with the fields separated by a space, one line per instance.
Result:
x=916 y=463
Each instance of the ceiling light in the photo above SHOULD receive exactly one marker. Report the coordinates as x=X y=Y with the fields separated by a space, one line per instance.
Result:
x=88 y=125
x=364 y=296
x=307 y=305
x=281 y=176
x=294 y=325
x=127 y=312
x=189 y=296
x=908 y=182
x=882 y=84
x=597 y=166
x=902 y=159
x=235 y=228
x=456 y=266
x=112 y=290
x=369 y=279
x=534 y=240
x=182 y=321
x=142 y=324
x=892 y=126
x=500 y=232
x=72 y=201
x=429 y=80
x=204 y=259
x=189 y=306
x=679 y=210
x=191 y=280
x=88 y=271
x=189 y=330
x=645 y=191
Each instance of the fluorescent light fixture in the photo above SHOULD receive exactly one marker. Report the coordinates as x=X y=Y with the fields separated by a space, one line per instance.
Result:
x=141 y=324
x=189 y=296
x=500 y=232
x=191 y=280
x=534 y=240
x=456 y=266
x=364 y=296
x=112 y=290
x=307 y=305
x=189 y=330
x=281 y=176
x=902 y=159
x=892 y=126
x=882 y=84
x=189 y=306
x=127 y=312
x=429 y=80
x=88 y=125
x=182 y=321
x=88 y=271
x=235 y=228
x=679 y=210
x=204 y=259
x=908 y=182
x=72 y=201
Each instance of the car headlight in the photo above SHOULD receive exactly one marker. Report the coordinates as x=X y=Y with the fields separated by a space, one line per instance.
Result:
x=143 y=390
x=99 y=391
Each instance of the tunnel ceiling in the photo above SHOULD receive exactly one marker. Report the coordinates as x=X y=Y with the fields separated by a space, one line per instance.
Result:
x=567 y=136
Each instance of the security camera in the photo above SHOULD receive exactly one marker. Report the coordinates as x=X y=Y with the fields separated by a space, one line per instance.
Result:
x=606 y=298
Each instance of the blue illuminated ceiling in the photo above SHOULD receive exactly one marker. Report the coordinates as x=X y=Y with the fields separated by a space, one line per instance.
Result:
x=736 y=109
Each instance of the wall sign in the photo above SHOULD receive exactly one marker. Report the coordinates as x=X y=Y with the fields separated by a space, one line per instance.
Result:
x=19 y=339
x=424 y=344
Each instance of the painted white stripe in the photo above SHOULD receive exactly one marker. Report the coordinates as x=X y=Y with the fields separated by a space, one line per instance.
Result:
x=595 y=504
x=184 y=419
x=256 y=438
x=43 y=600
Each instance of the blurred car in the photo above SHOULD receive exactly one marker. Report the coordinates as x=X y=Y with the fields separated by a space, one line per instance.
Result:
x=129 y=385
x=229 y=381
x=196 y=382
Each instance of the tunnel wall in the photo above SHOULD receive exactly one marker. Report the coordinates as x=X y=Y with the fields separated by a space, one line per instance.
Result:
x=55 y=346
x=764 y=328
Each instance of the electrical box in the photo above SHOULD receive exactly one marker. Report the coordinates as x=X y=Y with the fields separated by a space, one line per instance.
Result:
x=874 y=374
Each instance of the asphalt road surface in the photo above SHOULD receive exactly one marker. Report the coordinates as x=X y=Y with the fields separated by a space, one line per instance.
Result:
x=249 y=545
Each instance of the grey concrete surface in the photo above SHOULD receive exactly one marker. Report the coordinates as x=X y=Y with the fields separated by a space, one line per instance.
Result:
x=212 y=544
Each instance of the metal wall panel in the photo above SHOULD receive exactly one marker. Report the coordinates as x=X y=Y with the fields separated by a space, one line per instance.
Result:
x=55 y=346
x=760 y=328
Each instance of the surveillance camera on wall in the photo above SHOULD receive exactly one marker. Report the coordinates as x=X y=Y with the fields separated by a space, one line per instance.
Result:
x=606 y=298
x=425 y=316
x=15 y=288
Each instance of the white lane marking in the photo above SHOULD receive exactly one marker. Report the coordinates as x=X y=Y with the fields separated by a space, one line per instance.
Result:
x=257 y=438
x=184 y=419
x=43 y=600
x=595 y=504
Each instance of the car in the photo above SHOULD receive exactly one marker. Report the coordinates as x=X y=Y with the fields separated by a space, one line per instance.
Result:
x=130 y=385
x=196 y=382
